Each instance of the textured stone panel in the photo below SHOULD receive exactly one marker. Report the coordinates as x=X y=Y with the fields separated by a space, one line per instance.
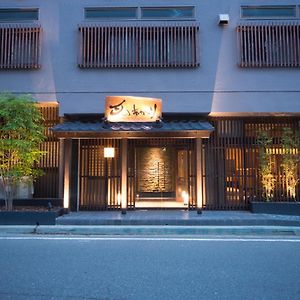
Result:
x=156 y=169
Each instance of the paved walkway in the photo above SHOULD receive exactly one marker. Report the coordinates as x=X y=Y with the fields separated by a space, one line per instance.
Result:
x=178 y=218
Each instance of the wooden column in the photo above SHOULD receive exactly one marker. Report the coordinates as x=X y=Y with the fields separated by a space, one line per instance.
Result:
x=67 y=171
x=199 y=175
x=74 y=176
x=124 y=176
x=61 y=168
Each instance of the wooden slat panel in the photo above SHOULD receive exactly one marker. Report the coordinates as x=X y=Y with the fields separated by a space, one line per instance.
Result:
x=269 y=44
x=138 y=45
x=231 y=159
x=20 y=46
x=100 y=178
x=47 y=186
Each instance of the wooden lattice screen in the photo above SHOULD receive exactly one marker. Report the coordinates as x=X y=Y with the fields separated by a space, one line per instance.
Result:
x=99 y=177
x=230 y=165
x=269 y=44
x=47 y=186
x=20 y=46
x=139 y=45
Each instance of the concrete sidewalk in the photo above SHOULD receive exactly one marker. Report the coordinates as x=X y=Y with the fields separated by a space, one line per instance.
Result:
x=177 y=218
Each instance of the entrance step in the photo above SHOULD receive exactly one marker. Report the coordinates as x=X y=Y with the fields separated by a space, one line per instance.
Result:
x=177 y=217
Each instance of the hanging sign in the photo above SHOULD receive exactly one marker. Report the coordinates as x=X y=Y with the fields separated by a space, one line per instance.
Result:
x=132 y=109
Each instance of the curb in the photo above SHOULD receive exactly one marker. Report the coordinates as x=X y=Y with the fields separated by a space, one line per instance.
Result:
x=150 y=230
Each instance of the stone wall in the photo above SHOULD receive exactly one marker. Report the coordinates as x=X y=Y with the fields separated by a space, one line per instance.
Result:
x=156 y=168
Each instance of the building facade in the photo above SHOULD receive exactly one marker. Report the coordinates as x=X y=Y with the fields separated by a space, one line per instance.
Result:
x=225 y=71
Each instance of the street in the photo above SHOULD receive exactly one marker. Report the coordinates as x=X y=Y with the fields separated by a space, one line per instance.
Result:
x=55 y=267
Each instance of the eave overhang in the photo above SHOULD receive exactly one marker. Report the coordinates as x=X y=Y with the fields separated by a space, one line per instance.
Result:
x=103 y=129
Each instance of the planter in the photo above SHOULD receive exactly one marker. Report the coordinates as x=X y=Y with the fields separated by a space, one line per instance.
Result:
x=276 y=208
x=30 y=217
x=55 y=202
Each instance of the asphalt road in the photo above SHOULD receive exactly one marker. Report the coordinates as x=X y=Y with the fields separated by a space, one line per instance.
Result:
x=144 y=268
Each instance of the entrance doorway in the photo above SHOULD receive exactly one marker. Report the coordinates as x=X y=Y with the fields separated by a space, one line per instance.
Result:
x=161 y=173
x=164 y=175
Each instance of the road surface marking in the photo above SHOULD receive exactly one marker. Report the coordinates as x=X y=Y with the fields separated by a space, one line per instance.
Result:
x=96 y=238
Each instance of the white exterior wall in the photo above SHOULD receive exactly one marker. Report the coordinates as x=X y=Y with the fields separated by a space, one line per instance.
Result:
x=217 y=86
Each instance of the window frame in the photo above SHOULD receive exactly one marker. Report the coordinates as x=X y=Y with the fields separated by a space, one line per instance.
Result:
x=138 y=13
x=17 y=20
x=193 y=8
x=110 y=8
x=296 y=9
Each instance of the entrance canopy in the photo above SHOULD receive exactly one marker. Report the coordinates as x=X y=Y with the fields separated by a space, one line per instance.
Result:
x=171 y=125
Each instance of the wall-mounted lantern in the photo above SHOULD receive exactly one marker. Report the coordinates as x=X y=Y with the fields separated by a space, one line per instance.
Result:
x=185 y=197
x=109 y=152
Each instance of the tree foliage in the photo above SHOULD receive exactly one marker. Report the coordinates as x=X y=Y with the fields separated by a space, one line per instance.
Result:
x=21 y=132
x=290 y=160
x=268 y=179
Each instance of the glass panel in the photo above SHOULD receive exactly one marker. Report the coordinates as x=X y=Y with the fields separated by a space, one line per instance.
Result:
x=167 y=12
x=111 y=13
x=18 y=14
x=269 y=12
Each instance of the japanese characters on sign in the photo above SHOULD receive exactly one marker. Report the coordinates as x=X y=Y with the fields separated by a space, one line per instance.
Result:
x=132 y=109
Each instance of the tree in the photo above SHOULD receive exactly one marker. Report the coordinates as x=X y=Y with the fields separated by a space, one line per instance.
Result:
x=21 y=132
x=268 y=179
x=290 y=160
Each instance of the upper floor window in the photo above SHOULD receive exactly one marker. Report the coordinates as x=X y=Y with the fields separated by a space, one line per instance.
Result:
x=167 y=12
x=154 y=44
x=269 y=12
x=106 y=13
x=271 y=42
x=20 y=41
x=18 y=14
x=153 y=13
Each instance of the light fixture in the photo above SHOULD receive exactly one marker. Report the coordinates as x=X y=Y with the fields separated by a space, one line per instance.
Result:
x=109 y=152
x=185 y=197
x=66 y=195
x=119 y=199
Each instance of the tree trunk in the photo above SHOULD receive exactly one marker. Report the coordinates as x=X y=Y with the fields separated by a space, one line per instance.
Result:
x=8 y=189
x=9 y=204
